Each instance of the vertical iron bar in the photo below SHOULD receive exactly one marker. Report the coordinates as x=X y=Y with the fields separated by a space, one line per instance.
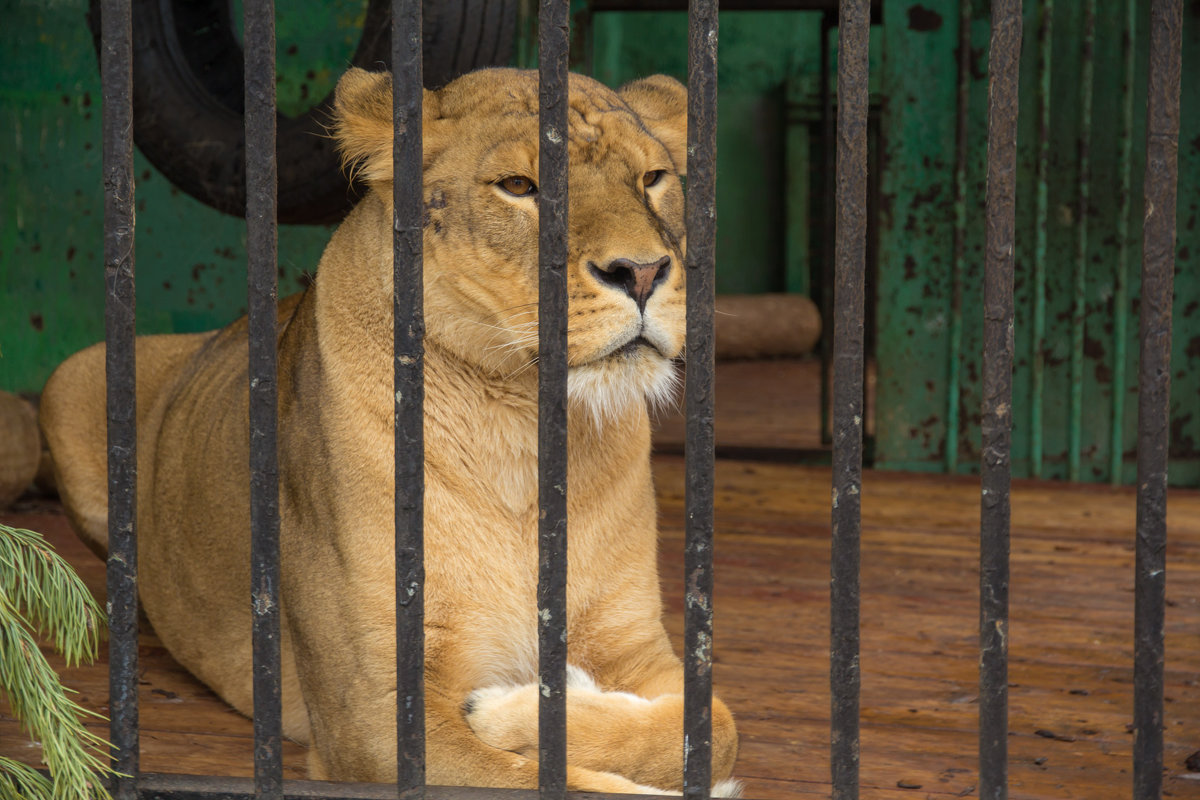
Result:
x=853 y=32
x=553 y=22
x=1003 y=68
x=116 y=67
x=1154 y=396
x=1045 y=38
x=701 y=219
x=1116 y=439
x=953 y=382
x=408 y=382
x=1079 y=307
x=261 y=245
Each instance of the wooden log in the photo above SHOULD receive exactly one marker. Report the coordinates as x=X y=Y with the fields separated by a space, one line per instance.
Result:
x=20 y=447
x=765 y=325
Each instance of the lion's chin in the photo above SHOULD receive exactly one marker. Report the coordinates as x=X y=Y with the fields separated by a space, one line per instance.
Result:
x=607 y=389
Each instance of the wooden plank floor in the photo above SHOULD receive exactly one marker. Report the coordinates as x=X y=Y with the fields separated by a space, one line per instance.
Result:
x=1071 y=638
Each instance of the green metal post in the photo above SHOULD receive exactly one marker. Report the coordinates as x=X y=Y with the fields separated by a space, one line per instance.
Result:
x=1038 y=346
x=953 y=385
x=1121 y=284
x=1079 y=307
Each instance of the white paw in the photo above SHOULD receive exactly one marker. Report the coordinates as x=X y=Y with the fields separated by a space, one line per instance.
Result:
x=727 y=788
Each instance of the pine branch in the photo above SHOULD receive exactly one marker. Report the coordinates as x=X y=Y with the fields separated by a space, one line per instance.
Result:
x=48 y=594
x=33 y=577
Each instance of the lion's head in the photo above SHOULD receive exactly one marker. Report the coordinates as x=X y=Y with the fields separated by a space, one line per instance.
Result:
x=626 y=235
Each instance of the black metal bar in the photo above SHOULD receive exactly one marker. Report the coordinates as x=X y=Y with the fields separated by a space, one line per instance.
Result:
x=701 y=219
x=116 y=70
x=1154 y=393
x=996 y=470
x=850 y=255
x=262 y=247
x=206 y=787
x=408 y=351
x=553 y=43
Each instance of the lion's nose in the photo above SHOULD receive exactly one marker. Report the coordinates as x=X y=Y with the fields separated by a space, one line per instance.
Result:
x=638 y=280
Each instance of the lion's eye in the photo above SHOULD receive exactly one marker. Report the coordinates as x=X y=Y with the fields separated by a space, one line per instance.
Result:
x=518 y=186
x=652 y=177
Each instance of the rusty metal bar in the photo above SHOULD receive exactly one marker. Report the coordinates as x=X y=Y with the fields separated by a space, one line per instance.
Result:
x=408 y=382
x=116 y=74
x=553 y=43
x=1045 y=40
x=1154 y=393
x=701 y=219
x=261 y=273
x=1079 y=306
x=961 y=132
x=850 y=273
x=1116 y=437
x=996 y=470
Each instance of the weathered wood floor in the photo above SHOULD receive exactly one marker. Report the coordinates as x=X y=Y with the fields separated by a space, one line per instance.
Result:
x=1071 y=636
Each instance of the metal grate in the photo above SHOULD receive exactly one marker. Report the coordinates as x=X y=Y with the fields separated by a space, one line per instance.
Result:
x=850 y=244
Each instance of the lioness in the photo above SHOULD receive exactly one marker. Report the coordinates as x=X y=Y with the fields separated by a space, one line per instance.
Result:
x=626 y=324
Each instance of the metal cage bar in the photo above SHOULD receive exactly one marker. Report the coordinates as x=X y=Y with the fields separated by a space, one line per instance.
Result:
x=408 y=382
x=850 y=273
x=1154 y=392
x=262 y=286
x=553 y=43
x=1003 y=67
x=700 y=216
x=116 y=75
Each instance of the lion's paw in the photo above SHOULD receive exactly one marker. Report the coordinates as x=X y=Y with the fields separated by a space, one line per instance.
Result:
x=506 y=717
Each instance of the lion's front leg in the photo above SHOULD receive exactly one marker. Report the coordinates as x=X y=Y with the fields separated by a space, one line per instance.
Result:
x=354 y=738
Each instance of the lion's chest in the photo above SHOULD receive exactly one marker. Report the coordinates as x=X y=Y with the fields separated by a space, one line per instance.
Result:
x=482 y=597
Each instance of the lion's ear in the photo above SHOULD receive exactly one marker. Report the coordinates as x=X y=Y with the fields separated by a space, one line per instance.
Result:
x=661 y=102
x=362 y=110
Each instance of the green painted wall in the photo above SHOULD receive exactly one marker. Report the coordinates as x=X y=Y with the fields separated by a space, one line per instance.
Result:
x=190 y=259
x=915 y=265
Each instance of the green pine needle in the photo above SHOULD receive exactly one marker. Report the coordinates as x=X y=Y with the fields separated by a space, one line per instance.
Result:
x=40 y=592
x=52 y=598
x=20 y=781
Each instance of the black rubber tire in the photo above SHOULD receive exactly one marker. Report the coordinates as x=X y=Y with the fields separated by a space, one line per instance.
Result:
x=188 y=97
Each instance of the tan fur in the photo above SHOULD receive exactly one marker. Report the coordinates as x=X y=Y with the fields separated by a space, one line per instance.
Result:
x=336 y=454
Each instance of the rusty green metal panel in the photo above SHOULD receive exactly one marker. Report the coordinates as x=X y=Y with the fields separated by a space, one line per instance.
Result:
x=915 y=290
x=190 y=258
x=915 y=279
